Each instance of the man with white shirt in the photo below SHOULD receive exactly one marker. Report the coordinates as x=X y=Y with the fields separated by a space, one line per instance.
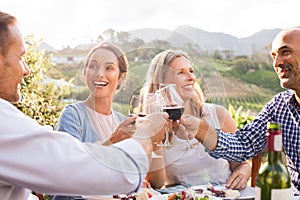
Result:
x=33 y=157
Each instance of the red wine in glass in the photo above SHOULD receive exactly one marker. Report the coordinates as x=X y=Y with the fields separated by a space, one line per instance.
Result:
x=138 y=115
x=175 y=112
x=142 y=115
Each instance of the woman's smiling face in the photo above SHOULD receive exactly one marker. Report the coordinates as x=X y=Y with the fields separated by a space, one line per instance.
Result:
x=181 y=73
x=102 y=73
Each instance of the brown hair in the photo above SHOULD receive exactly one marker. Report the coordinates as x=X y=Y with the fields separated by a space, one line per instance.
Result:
x=5 y=38
x=122 y=59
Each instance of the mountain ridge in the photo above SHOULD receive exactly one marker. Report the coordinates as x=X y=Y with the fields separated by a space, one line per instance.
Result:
x=202 y=40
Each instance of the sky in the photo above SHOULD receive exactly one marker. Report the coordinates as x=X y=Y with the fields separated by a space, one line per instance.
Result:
x=68 y=22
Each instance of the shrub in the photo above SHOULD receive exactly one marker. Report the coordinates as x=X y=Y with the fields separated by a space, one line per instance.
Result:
x=241 y=118
x=40 y=100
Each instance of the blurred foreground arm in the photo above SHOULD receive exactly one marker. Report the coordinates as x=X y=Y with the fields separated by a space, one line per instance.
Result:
x=46 y=161
x=150 y=130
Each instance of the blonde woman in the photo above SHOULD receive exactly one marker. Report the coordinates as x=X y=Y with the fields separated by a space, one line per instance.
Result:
x=193 y=166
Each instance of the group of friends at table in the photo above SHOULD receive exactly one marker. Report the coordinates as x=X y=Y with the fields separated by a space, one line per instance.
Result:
x=96 y=150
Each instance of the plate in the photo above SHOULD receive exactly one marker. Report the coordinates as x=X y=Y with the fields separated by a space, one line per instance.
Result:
x=247 y=193
x=110 y=197
x=97 y=198
x=165 y=197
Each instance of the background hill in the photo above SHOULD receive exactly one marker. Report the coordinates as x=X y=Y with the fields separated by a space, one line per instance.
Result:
x=231 y=70
x=199 y=39
x=208 y=41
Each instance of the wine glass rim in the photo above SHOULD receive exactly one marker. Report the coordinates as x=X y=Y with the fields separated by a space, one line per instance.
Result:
x=168 y=84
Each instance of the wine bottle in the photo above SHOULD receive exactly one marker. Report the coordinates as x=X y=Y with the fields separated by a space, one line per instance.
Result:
x=273 y=181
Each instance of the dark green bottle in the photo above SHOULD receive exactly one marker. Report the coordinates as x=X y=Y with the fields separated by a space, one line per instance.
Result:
x=273 y=180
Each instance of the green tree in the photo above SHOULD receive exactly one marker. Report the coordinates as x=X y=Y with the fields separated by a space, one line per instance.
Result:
x=217 y=55
x=40 y=100
x=99 y=39
x=244 y=65
x=122 y=37
x=228 y=54
x=110 y=34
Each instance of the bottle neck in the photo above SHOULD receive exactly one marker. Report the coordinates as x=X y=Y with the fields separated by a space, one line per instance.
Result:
x=274 y=145
x=274 y=156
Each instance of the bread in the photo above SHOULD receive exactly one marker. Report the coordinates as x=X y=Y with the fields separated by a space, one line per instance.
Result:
x=232 y=193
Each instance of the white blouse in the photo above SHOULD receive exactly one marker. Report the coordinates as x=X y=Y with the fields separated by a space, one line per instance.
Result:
x=104 y=125
x=195 y=166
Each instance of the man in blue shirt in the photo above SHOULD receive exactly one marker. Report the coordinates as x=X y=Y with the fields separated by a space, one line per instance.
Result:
x=283 y=108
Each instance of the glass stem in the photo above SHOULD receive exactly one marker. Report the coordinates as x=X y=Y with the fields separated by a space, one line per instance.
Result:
x=167 y=142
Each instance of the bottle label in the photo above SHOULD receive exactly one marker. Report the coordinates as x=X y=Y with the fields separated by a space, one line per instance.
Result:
x=276 y=194
x=275 y=143
x=257 y=193
x=280 y=194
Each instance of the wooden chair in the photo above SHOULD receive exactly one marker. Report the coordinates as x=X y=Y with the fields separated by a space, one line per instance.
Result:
x=256 y=162
x=40 y=196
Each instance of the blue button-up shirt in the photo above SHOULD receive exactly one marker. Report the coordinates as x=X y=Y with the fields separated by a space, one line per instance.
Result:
x=250 y=140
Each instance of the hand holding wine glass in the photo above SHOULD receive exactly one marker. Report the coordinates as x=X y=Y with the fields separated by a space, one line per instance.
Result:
x=142 y=105
x=172 y=104
x=147 y=105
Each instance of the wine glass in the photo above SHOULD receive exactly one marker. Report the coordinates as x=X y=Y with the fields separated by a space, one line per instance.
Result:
x=172 y=104
x=141 y=105
x=149 y=103
x=135 y=106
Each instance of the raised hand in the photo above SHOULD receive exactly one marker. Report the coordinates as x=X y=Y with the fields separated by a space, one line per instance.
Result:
x=152 y=126
x=189 y=126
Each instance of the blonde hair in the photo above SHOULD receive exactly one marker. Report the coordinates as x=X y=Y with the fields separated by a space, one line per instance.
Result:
x=156 y=75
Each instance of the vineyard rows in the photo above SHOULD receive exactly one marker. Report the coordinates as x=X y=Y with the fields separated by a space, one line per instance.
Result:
x=252 y=103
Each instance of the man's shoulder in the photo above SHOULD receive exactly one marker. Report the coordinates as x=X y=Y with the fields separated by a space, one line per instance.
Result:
x=4 y=102
x=5 y=105
x=282 y=98
x=285 y=94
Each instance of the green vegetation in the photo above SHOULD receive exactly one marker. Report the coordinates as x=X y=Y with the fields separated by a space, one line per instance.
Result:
x=263 y=78
x=253 y=103
x=240 y=118
x=41 y=100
